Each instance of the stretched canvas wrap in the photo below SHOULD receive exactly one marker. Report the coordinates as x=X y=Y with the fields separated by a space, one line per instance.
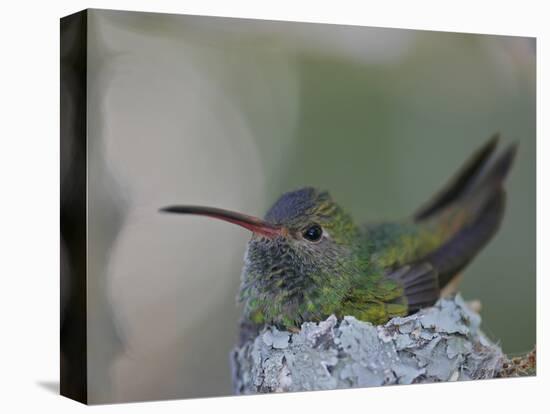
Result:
x=253 y=206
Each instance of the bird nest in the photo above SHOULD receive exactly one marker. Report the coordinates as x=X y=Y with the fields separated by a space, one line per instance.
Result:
x=440 y=343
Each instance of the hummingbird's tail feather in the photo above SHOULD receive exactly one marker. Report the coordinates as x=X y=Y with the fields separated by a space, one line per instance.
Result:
x=474 y=218
x=461 y=182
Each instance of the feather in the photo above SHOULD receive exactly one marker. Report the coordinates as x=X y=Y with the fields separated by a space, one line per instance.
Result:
x=472 y=219
x=460 y=182
x=420 y=284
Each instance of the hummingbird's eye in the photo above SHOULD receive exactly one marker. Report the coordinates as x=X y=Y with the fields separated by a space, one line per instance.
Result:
x=313 y=233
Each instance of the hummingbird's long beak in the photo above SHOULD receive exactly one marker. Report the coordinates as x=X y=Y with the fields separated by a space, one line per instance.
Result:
x=254 y=224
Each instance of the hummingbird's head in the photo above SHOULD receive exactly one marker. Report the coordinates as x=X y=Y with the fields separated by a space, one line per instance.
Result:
x=300 y=259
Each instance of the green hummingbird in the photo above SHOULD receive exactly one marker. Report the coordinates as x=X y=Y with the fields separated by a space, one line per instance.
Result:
x=308 y=259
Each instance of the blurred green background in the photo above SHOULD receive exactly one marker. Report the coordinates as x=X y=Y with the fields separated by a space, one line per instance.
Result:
x=232 y=113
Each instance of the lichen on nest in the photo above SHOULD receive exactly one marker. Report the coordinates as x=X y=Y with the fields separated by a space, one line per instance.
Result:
x=440 y=343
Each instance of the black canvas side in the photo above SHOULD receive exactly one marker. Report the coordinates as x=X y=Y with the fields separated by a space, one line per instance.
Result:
x=73 y=157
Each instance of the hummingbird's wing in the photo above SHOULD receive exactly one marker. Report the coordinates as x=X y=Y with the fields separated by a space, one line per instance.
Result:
x=460 y=183
x=426 y=252
x=468 y=221
x=420 y=284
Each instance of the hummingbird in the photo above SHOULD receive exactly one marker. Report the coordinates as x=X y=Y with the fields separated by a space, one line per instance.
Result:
x=308 y=259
